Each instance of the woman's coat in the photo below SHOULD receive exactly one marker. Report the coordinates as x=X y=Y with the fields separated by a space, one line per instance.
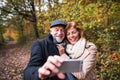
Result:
x=89 y=60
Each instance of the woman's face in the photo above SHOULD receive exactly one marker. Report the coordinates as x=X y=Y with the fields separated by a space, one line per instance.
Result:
x=72 y=35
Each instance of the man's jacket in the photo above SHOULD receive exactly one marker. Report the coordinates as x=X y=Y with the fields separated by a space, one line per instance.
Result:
x=39 y=53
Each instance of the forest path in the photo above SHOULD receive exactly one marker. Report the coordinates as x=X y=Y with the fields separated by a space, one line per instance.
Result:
x=13 y=60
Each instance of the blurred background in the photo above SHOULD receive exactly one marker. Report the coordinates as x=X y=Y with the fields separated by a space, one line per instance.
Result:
x=24 y=21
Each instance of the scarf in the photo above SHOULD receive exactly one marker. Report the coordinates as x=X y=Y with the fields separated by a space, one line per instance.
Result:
x=77 y=49
x=63 y=43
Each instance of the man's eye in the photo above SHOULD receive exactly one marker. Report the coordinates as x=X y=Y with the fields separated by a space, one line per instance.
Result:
x=56 y=29
x=62 y=30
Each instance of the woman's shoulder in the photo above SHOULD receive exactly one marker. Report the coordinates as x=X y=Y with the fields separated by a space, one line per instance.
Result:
x=90 y=45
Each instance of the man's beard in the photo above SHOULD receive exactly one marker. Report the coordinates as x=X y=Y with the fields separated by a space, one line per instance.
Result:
x=59 y=39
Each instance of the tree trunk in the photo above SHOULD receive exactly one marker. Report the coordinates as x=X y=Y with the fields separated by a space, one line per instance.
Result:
x=36 y=31
x=2 y=38
x=34 y=20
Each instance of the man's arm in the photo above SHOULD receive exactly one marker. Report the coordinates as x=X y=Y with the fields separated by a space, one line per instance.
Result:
x=38 y=68
x=36 y=60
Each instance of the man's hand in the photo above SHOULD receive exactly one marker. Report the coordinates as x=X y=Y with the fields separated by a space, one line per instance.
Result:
x=50 y=68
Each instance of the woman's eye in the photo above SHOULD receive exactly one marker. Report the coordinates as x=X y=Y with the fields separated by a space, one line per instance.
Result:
x=74 y=32
x=68 y=34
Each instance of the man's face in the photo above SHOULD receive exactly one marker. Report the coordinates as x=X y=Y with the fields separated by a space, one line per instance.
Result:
x=58 y=33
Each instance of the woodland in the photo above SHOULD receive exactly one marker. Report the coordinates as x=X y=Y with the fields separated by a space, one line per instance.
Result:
x=24 y=21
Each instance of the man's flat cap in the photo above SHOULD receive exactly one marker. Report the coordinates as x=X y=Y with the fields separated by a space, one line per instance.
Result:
x=58 y=22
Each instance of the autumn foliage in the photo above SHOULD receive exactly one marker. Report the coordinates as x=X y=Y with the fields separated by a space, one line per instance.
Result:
x=99 y=18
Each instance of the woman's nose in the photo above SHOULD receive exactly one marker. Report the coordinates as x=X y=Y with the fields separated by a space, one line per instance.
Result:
x=71 y=35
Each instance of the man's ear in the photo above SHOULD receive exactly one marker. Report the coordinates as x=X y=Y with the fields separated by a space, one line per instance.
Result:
x=51 y=31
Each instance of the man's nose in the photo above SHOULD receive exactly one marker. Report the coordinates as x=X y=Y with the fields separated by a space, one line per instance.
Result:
x=59 y=32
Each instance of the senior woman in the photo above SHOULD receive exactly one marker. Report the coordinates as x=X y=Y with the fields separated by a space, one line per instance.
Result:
x=79 y=48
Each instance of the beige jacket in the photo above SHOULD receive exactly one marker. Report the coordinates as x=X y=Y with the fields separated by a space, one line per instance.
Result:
x=89 y=60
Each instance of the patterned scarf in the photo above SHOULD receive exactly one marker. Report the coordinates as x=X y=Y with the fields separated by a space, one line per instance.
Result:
x=76 y=50
x=63 y=43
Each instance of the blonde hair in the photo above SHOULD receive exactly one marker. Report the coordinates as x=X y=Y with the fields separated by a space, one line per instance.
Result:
x=78 y=27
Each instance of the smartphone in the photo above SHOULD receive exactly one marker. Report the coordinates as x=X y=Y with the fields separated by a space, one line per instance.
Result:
x=71 y=65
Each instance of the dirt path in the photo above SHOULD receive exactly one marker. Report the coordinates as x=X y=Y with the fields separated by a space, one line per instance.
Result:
x=13 y=60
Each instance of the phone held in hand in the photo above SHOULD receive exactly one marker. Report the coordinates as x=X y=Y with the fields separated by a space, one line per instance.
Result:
x=71 y=65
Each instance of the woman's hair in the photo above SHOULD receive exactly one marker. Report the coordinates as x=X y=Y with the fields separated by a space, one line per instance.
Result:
x=79 y=28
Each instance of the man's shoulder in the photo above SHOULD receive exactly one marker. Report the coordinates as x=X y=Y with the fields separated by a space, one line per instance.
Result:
x=39 y=42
